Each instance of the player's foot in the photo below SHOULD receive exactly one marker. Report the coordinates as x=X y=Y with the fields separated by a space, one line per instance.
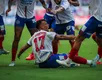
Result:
x=3 y=51
x=94 y=61
x=63 y=63
x=12 y=64
x=30 y=57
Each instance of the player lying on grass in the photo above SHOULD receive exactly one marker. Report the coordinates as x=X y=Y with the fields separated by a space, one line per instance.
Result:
x=41 y=43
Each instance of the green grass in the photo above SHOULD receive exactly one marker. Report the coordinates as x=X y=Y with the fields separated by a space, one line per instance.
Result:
x=26 y=70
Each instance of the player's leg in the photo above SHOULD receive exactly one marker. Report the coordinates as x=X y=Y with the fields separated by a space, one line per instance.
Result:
x=31 y=27
x=59 y=29
x=99 y=38
x=2 y=33
x=51 y=62
x=85 y=32
x=94 y=37
x=70 y=30
x=19 y=25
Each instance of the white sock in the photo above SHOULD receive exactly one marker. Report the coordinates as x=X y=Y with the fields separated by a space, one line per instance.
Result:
x=68 y=60
x=89 y=61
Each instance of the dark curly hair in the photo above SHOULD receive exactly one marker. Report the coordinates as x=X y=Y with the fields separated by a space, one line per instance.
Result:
x=39 y=22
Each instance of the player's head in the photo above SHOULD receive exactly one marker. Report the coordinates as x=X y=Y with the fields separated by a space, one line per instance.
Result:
x=42 y=25
x=57 y=1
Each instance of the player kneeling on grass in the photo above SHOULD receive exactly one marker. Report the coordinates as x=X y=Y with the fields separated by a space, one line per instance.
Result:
x=41 y=43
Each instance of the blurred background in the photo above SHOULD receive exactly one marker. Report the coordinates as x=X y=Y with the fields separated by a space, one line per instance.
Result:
x=81 y=13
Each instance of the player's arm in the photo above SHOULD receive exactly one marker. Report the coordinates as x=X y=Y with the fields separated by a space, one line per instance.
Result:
x=74 y=2
x=64 y=37
x=9 y=6
x=63 y=6
x=43 y=4
x=60 y=9
x=24 y=48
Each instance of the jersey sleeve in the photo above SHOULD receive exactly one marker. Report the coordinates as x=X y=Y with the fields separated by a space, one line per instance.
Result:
x=65 y=4
x=30 y=41
x=51 y=35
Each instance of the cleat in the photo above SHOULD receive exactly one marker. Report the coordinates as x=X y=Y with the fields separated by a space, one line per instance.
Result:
x=63 y=63
x=12 y=64
x=30 y=57
x=3 y=51
x=72 y=65
x=94 y=61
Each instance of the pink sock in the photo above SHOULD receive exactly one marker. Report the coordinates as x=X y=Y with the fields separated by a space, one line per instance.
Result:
x=100 y=51
x=72 y=53
x=79 y=60
x=14 y=51
x=1 y=42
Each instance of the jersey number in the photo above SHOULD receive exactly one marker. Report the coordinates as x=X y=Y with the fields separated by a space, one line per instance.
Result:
x=39 y=40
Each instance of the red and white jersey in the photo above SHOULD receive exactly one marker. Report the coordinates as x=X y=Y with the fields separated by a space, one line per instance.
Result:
x=25 y=8
x=2 y=7
x=41 y=43
x=95 y=7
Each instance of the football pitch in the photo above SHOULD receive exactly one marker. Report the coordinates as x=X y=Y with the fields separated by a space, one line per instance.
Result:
x=26 y=70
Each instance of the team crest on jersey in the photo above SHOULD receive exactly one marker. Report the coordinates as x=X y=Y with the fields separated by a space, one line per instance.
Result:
x=26 y=1
x=17 y=22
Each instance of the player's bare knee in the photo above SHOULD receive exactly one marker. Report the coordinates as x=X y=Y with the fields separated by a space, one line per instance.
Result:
x=79 y=38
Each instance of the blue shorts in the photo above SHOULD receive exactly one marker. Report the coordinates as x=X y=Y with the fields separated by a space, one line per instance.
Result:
x=20 y=22
x=50 y=20
x=2 y=26
x=67 y=27
x=51 y=62
x=91 y=26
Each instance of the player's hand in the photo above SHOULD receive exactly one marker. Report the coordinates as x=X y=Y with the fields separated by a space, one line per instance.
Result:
x=7 y=11
x=54 y=11
x=48 y=10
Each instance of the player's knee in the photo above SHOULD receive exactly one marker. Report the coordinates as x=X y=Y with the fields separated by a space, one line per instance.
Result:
x=94 y=36
x=79 y=39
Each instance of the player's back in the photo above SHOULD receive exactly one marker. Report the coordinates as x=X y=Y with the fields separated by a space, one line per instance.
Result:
x=42 y=45
x=95 y=7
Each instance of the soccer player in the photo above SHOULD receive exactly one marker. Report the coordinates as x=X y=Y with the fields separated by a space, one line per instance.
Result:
x=41 y=43
x=94 y=24
x=95 y=39
x=24 y=15
x=49 y=17
x=2 y=27
x=64 y=19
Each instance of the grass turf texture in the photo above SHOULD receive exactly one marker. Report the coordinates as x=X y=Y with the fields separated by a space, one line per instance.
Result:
x=26 y=70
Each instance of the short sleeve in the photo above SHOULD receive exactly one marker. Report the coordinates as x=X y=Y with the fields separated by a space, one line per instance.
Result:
x=30 y=41
x=51 y=35
x=65 y=4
